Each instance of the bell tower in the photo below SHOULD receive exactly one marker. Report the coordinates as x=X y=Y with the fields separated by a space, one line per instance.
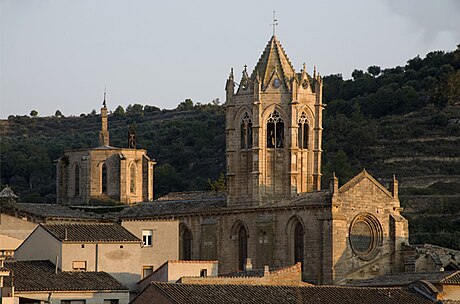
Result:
x=273 y=130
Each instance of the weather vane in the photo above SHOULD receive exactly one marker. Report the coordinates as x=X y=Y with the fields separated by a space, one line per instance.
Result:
x=275 y=23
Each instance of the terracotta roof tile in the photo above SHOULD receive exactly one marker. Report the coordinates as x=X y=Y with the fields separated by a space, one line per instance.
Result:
x=245 y=294
x=453 y=279
x=90 y=232
x=41 y=276
x=404 y=279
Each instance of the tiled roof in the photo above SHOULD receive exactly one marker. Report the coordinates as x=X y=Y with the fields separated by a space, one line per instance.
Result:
x=189 y=205
x=54 y=211
x=41 y=276
x=404 y=279
x=453 y=279
x=163 y=208
x=90 y=232
x=7 y=192
x=191 y=195
x=245 y=294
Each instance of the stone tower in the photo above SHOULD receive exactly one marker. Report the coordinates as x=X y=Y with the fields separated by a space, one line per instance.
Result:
x=104 y=133
x=274 y=129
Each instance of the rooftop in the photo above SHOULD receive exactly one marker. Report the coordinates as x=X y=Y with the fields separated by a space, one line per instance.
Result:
x=204 y=294
x=90 y=232
x=197 y=202
x=404 y=279
x=41 y=276
x=53 y=211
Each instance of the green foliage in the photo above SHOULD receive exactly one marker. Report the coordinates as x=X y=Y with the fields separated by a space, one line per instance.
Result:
x=218 y=185
x=186 y=105
x=33 y=113
x=119 y=111
x=374 y=70
x=58 y=114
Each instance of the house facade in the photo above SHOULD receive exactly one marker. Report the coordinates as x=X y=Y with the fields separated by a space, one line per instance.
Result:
x=106 y=247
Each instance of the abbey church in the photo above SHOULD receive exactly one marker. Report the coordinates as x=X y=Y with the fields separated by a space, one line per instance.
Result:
x=274 y=212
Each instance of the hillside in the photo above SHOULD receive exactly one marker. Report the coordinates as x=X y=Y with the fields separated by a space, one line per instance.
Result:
x=403 y=121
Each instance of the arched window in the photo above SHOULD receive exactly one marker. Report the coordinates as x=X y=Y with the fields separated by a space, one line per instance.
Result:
x=186 y=248
x=298 y=243
x=246 y=132
x=302 y=132
x=77 y=180
x=242 y=247
x=275 y=131
x=104 y=178
x=132 y=178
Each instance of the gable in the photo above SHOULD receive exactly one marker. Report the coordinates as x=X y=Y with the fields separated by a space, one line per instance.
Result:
x=365 y=185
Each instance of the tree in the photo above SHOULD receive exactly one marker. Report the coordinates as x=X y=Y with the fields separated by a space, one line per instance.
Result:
x=374 y=70
x=33 y=113
x=151 y=109
x=357 y=74
x=58 y=114
x=186 y=105
x=219 y=185
x=136 y=109
x=119 y=111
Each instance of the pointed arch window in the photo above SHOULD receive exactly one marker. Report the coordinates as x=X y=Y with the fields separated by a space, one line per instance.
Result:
x=302 y=132
x=275 y=131
x=246 y=132
x=242 y=247
x=298 y=243
x=186 y=246
x=132 y=178
x=77 y=180
x=104 y=178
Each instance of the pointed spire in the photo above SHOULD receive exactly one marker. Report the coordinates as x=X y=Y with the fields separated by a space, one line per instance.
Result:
x=274 y=60
x=105 y=93
x=104 y=133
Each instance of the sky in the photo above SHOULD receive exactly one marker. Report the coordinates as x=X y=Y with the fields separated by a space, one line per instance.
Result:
x=60 y=54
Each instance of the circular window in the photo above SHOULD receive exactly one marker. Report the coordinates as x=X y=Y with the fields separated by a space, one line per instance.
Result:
x=365 y=236
x=276 y=83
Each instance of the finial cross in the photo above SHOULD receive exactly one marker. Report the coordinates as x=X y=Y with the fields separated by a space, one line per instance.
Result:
x=275 y=23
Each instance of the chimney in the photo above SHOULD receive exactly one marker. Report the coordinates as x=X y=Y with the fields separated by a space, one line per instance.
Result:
x=248 y=265
x=266 y=270
x=334 y=185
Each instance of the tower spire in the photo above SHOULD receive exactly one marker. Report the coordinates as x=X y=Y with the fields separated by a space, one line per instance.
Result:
x=105 y=93
x=104 y=133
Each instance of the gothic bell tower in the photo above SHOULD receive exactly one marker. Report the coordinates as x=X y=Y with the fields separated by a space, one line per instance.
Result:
x=273 y=129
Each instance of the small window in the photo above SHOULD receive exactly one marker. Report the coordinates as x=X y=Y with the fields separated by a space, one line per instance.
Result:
x=246 y=132
x=77 y=180
x=121 y=246
x=203 y=273
x=83 y=246
x=104 y=178
x=147 y=237
x=132 y=174
x=146 y=271
x=79 y=265
x=111 y=301
x=73 y=301
x=302 y=132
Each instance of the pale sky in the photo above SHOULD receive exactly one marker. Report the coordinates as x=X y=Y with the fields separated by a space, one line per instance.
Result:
x=59 y=54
